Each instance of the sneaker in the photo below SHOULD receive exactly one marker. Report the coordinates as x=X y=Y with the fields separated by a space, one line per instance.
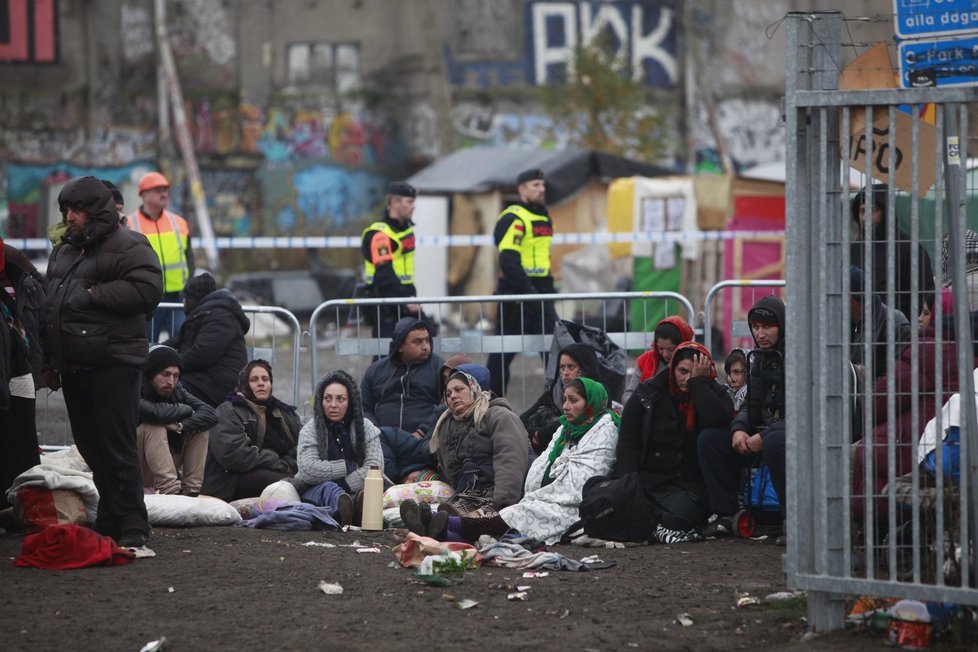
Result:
x=411 y=516
x=132 y=540
x=345 y=509
x=669 y=537
x=438 y=529
x=782 y=540
x=718 y=527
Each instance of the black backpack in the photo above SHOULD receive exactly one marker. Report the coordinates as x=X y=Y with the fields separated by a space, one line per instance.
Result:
x=615 y=509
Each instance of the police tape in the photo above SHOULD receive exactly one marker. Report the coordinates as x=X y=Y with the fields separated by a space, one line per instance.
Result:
x=354 y=242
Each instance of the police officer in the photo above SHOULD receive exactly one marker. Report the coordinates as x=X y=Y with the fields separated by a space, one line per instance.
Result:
x=388 y=255
x=169 y=235
x=523 y=233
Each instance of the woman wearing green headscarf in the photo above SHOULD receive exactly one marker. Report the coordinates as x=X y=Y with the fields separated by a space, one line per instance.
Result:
x=583 y=447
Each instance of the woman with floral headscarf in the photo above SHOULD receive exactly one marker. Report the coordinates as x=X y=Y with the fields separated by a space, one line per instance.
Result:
x=254 y=441
x=480 y=445
x=659 y=429
x=583 y=447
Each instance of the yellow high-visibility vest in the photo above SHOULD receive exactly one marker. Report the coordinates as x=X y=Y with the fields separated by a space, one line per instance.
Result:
x=530 y=236
x=401 y=254
x=168 y=236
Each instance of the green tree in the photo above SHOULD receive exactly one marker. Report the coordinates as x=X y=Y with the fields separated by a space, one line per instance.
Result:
x=601 y=106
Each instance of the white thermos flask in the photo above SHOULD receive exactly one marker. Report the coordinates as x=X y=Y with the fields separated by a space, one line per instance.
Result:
x=373 y=500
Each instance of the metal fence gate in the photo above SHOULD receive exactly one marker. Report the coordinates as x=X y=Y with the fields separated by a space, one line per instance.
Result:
x=863 y=517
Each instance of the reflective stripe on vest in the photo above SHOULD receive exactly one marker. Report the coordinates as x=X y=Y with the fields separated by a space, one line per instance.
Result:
x=169 y=244
x=535 y=244
x=403 y=261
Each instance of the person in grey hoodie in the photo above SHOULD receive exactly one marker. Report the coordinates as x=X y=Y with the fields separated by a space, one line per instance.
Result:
x=337 y=447
x=401 y=389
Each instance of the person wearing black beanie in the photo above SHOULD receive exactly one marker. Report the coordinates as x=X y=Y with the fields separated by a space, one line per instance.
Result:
x=171 y=437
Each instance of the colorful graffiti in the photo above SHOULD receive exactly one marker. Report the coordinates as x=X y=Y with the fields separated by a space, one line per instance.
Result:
x=31 y=210
x=233 y=198
x=318 y=199
x=282 y=134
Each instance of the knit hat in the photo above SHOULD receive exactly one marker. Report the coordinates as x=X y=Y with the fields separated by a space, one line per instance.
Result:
x=197 y=288
x=160 y=357
x=480 y=373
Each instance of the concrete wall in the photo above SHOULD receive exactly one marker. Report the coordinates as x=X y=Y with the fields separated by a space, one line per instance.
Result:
x=434 y=75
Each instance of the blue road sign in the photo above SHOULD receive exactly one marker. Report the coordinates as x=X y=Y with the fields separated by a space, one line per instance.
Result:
x=943 y=62
x=934 y=18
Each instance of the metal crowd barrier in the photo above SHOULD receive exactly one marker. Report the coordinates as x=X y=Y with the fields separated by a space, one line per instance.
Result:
x=349 y=336
x=262 y=340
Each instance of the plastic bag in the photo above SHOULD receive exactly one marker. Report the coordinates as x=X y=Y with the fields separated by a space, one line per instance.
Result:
x=611 y=357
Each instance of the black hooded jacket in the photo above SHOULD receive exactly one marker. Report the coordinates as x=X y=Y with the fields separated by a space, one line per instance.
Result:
x=902 y=255
x=212 y=345
x=551 y=399
x=763 y=404
x=395 y=394
x=101 y=286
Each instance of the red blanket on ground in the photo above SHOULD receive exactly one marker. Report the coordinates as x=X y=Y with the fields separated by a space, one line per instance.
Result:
x=60 y=547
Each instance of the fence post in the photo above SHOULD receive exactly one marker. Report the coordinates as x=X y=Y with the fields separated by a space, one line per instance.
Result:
x=813 y=54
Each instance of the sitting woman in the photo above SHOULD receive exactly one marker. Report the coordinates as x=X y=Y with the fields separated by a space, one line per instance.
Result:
x=583 y=447
x=669 y=334
x=543 y=417
x=254 y=441
x=659 y=429
x=336 y=448
x=480 y=445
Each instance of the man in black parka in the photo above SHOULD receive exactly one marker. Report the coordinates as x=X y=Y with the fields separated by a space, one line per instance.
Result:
x=103 y=282
x=211 y=341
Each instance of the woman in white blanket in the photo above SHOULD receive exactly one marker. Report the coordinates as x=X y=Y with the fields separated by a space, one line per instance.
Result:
x=583 y=447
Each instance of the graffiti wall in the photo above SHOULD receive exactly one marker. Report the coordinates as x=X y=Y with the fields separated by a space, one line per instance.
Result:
x=319 y=198
x=291 y=133
x=641 y=32
x=30 y=209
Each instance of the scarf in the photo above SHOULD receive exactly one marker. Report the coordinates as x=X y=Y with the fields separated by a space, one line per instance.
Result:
x=648 y=362
x=244 y=387
x=571 y=432
x=475 y=413
x=684 y=400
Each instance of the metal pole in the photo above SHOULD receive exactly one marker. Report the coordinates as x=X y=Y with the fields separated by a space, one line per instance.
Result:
x=814 y=49
x=954 y=151
x=183 y=135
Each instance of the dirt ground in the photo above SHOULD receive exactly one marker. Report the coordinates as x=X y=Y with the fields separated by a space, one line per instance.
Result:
x=224 y=588
x=237 y=588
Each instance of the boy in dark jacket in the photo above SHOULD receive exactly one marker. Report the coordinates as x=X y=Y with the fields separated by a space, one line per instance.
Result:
x=173 y=427
x=103 y=281
x=758 y=429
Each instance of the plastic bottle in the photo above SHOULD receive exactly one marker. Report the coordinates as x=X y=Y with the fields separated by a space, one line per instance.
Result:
x=373 y=500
